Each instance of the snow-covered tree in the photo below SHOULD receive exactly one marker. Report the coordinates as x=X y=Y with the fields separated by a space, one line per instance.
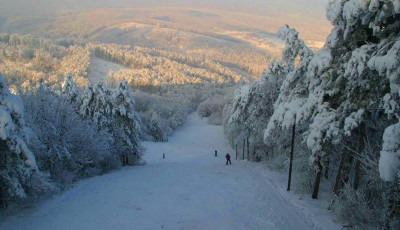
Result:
x=347 y=78
x=252 y=105
x=68 y=146
x=70 y=91
x=156 y=127
x=126 y=121
x=17 y=163
x=293 y=92
x=97 y=105
x=114 y=112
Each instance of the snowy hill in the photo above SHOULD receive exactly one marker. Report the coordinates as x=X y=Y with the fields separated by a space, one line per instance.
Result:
x=190 y=189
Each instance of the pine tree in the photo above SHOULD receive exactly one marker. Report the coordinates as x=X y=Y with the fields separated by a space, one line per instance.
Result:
x=156 y=127
x=293 y=91
x=17 y=162
x=70 y=91
x=127 y=122
x=354 y=72
x=97 y=106
x=70 y=146
x=252 y=104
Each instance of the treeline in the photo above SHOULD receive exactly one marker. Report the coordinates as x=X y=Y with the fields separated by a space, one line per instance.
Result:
x=26 y=58
x=154 y=66
x=165 y=105
x=53 y=137
x=337 y=110
x=251 y=62
x=31 y=43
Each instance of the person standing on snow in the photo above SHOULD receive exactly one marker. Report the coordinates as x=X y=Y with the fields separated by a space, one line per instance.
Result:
x=228 y=159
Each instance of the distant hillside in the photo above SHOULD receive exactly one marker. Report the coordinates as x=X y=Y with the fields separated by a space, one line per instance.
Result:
x=306 y=15
x=26 y=58
x=155 y=46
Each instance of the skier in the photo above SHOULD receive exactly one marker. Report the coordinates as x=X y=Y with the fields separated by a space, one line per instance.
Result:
x=216 y=153
x=163 y=155
x=228 y=159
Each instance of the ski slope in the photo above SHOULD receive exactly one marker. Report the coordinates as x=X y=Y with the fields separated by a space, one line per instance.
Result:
x=190 y=189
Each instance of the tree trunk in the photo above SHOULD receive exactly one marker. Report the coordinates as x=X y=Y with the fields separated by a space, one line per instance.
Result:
x=393 y=206
x=2 y=201
x=244 y=144
x=127 y=159
x=124 y=159
x=338 y=180
x=317 y=180
x=326 y=169
x=357 y=173
x=248 y=149
x=236 y=152
x=347 y=168
x=291 y=158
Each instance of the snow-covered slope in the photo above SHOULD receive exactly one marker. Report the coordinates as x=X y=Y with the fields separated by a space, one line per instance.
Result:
x=190 y=189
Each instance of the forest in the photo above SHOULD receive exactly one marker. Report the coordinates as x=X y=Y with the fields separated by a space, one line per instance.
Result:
x=328 y=117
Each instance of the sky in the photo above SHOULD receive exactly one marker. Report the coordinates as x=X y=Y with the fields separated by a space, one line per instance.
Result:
x=309 y=8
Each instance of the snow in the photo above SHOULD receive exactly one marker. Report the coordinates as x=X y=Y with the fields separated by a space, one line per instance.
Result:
x=396 y=5
x=70 y=91
x=353 y=121
x=12 y=124
x=6 y=124
x=190 y=189
x=99 y=70
x=389 y=162
x=287 y=108
x=352 y=11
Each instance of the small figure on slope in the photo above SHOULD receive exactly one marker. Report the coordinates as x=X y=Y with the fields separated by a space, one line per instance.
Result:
x=228 y=159
x=163 y=155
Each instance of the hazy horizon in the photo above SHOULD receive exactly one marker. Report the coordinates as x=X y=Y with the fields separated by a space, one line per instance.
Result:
x=306 y=8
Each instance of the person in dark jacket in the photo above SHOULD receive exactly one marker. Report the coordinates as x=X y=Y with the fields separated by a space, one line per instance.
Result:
x=228 y=159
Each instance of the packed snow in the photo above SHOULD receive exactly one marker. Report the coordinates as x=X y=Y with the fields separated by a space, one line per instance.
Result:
x=190 y=189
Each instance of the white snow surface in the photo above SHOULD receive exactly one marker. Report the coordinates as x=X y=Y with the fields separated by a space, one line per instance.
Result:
x=190 y=189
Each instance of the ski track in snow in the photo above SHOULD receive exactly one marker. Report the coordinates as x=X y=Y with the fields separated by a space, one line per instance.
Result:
x=190 y=189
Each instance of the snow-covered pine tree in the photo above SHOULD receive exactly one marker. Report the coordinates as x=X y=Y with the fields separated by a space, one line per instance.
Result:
x=97 y=106
x=70 y=147
x=17 y=162
x=348 y=77
x=296 y=57
x=253 y=104
x=42 y=115
x=156 y=127
x=293 y=91
x=127 y=122
x=114 y=113
x=70 y=91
